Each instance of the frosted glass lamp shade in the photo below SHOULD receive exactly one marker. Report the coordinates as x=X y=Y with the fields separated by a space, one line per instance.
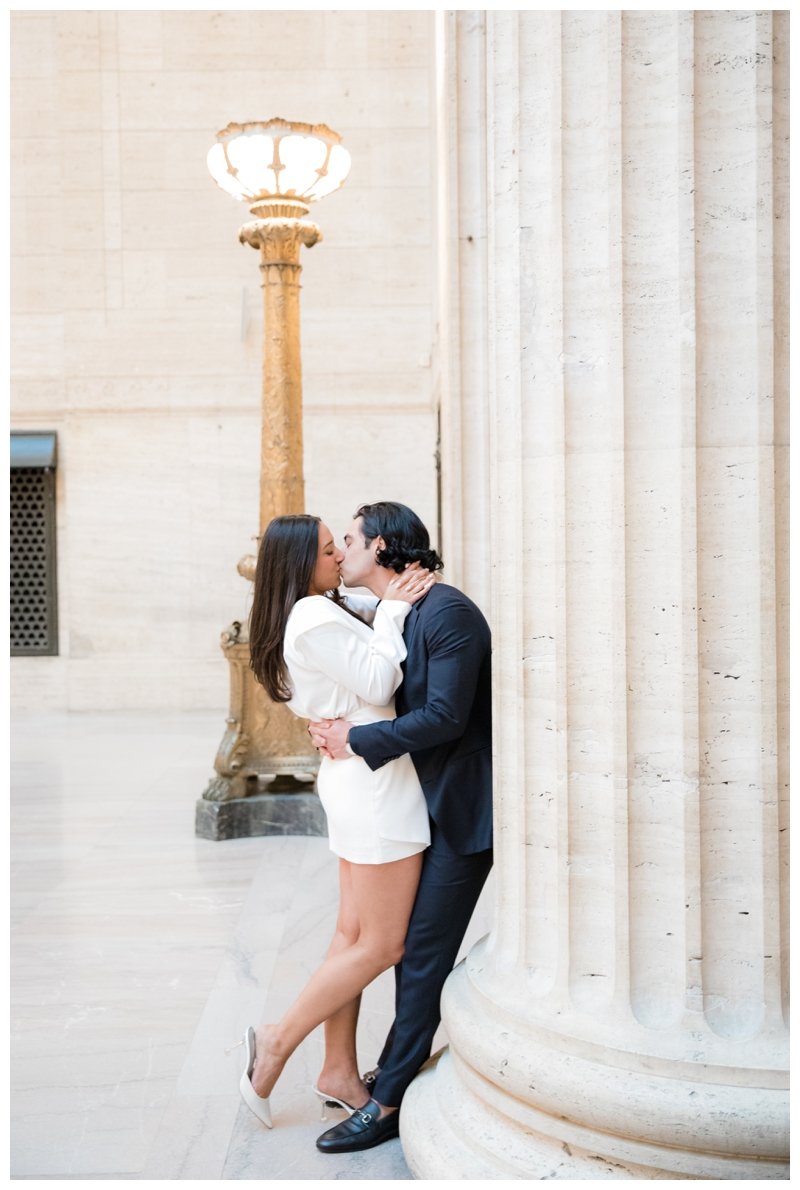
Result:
x=277 y=159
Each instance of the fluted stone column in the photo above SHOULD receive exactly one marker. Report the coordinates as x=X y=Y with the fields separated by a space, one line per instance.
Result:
x=626 y=1016
x=463 y=322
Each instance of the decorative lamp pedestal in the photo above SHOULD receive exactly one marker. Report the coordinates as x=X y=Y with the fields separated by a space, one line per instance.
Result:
x=265 y=765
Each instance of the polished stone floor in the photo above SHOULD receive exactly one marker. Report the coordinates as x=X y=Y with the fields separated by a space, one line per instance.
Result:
x=139 y=952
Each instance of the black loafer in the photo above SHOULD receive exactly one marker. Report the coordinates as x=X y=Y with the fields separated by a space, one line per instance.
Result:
x=363 y=1130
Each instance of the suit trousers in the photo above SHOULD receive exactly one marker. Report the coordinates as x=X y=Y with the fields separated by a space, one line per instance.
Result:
x=449 y=888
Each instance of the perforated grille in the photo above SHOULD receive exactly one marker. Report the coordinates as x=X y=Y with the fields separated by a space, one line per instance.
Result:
x=34 y=627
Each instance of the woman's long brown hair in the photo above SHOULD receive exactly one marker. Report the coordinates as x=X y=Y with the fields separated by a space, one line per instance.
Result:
x=287 y=558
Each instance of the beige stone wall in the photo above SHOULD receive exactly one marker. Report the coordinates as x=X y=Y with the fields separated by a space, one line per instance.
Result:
x=137 y=317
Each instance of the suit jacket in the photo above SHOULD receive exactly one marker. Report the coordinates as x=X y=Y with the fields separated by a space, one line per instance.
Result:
x=444 y=716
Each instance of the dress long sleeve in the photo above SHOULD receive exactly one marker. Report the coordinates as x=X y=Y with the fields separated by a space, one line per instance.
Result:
x=368 y=666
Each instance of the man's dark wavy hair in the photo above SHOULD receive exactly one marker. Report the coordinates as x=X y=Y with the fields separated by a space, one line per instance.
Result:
x=405 y=537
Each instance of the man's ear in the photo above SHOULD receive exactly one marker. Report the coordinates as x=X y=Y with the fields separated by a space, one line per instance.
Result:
x=380 y=544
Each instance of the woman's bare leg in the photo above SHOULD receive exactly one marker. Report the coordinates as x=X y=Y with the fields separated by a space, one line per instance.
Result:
x=383 y=895
x=339 y=1075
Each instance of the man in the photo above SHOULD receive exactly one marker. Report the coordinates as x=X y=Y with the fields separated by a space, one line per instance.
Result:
x=444 y=721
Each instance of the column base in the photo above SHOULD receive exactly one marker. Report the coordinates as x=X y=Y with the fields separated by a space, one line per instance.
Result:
x=262 y=814
x=518 y=1096
x=450 y=1132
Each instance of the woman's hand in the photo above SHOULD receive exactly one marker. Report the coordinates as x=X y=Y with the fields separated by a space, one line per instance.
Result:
x=411 y=585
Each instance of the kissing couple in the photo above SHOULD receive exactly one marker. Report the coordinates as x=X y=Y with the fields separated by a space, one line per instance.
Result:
x=397 y=689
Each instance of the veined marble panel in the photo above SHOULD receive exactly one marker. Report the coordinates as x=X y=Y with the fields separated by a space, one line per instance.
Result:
x=32 y=286
x=156 y=279
x=377 y=216
x=133 y=41
x=37 y=345
x=34 y=98
x=36 y=166
x=385 y=161
x=119 y=342
x=80 y=100
x=213 y=40
x=78 y=41
x=398 y=393
x=83 y=275
x=325 y=345
x=389 y=38
x=33 y=40
x=176 y=218
x=254 y=94
x=375 y=275
x=387 y=459
x=230 y=401
x=28 y=216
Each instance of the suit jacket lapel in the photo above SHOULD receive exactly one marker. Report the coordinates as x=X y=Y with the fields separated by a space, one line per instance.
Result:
x=410 y=627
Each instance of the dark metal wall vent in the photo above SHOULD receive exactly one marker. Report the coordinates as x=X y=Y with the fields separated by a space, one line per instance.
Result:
x=34 y=609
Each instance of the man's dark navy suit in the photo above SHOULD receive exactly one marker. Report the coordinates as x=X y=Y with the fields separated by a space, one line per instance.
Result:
x=444 y=720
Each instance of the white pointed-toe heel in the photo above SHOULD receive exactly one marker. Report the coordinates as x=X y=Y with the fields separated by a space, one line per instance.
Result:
x=258 y=1106
x=330 y=1101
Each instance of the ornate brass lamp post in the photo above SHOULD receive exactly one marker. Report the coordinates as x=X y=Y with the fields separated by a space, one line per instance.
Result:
x=278 y=167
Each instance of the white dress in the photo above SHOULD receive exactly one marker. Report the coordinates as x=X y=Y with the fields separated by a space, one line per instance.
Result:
x=341 y=668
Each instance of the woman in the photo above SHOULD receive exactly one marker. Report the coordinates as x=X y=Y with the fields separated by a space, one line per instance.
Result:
x=310 y=650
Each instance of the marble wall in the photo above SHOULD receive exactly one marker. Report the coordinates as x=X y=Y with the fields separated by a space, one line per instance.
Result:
x=137 y=317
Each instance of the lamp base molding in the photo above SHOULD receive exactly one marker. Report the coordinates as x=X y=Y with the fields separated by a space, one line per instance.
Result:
x=261 y=814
